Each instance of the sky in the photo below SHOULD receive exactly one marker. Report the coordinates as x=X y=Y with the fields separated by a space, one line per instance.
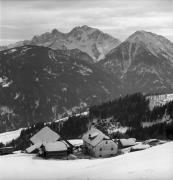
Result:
x=22 y=19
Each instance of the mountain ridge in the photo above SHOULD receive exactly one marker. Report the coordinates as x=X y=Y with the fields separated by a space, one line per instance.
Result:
x=143 y=62
x=90 y=40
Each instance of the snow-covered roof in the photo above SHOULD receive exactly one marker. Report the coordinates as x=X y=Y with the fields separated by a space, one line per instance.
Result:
x=140 y=146
x=151 y=140
x=33 y=147
x=94 y=137
x=55 y=146
x=45 y=135
x=76 y=142
x=127 y=142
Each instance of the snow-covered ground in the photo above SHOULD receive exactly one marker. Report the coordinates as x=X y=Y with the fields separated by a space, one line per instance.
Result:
x=154 y=163
x=159 y=100
x=120 y=129
x=166 y=118
x=9 y=136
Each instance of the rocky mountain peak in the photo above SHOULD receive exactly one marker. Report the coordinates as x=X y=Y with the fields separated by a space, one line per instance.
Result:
x=83 y=28
x=143 y=62
x=56 y=31
x=87 y=39
x=153 y=43
x=141 y=36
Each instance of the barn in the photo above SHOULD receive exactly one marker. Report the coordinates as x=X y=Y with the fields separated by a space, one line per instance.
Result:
x=97 y=144
x=47 y=143
x=45 y=135
x=6 y=150
x=56 y=149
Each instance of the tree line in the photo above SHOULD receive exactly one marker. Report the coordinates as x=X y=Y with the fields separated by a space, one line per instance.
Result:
x=129 y=111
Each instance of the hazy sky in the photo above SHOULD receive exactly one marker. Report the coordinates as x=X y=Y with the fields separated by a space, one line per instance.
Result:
x=21 y=19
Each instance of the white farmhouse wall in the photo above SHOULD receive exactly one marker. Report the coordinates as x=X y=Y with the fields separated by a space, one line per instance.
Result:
x=106 y=148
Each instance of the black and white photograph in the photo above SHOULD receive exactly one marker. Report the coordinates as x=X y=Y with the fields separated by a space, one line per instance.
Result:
x=86 y=89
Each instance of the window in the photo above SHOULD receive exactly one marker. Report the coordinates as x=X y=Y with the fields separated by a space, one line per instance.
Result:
x=100 y=149
x=112 y=149
x=106 y=142
x=100 y=156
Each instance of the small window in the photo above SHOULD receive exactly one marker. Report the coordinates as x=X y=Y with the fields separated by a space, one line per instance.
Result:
x=106 y=142
x=100 y=149
x=112 y=149
x=100 y=156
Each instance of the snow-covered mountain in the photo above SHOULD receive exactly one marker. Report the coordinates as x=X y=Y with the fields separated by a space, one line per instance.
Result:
x=90 y=40
x=39 y=84
x=143 y=62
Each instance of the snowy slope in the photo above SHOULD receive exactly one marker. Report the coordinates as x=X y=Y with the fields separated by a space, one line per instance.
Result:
x=9 y=136
x=159 y=100
x=153 y=163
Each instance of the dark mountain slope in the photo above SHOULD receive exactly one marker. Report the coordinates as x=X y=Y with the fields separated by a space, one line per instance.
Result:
x=39 y=84
x=143 y=63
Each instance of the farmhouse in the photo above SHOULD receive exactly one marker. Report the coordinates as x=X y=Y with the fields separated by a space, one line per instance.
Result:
x=98 y=144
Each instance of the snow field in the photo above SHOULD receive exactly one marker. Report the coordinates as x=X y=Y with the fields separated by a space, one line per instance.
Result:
x=9 y=136
x=153 y=163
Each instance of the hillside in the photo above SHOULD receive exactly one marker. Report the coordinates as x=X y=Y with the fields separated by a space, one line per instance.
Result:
x=126 y=117
x=159 y=100
x=143 y=63
x=40 y=84
x=131 y=116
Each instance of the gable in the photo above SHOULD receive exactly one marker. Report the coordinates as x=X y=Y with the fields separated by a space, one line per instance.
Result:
x=45 y=135
x=94 y=137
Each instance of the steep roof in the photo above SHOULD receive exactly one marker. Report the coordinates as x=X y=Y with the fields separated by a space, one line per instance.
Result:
x=45 y=135
x=33 y=147
x=55 y=146
x=94 y=137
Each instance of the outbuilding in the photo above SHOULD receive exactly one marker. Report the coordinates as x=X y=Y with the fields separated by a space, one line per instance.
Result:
x=34 y=148
x=56 y=149
x=97 y=144
x=124 y=143
x=6 y=150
